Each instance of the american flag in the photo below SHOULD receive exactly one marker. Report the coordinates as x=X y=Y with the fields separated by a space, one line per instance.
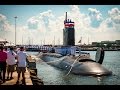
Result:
x=79 y=41
x=69 y=24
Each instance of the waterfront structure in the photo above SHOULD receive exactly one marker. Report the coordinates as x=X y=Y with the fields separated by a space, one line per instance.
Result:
x=68 y=32
x=116 y=42
x=3 y=42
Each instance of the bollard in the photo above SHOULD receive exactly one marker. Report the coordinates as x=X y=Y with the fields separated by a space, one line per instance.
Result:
x=32 y=65
x=35 y=70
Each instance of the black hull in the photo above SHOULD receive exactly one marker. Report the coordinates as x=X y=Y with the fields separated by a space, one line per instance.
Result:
x=83 y=67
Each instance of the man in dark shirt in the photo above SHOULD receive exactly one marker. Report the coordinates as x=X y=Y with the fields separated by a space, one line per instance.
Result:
x=3 y=57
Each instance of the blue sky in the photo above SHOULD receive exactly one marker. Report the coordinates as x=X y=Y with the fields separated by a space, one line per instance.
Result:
x=44 y=22
x=24 y=12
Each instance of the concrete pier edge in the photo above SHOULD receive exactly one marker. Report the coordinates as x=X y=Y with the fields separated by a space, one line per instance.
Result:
x=31 y=65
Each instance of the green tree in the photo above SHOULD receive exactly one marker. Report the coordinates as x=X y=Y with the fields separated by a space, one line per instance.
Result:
x=108 y=45
x=98 y=45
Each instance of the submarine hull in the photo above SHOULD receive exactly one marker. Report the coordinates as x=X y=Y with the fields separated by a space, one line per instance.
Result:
x=82 y=67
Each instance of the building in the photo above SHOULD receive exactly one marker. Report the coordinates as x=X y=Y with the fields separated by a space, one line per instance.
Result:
x=3 y=42
x=107 y=43
x=117 y=42
x=95 y=43
x=68 y=32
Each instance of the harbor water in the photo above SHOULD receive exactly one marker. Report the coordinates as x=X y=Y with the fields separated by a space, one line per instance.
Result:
x=54 y=76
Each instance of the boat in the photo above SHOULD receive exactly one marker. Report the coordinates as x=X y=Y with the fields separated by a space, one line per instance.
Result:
x=79 y=64
x=70 y=57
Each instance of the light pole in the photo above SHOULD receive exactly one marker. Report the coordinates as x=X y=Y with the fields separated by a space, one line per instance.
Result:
x=15 y=29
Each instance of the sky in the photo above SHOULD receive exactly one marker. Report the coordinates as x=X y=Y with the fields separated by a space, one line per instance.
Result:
x=43 y=24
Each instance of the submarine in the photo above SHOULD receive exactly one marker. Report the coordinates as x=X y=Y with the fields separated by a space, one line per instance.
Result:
x=70 y=57
x=80 y=64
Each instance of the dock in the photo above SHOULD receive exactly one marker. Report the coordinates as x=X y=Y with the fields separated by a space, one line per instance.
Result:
x=13 y=81
x=31 y=77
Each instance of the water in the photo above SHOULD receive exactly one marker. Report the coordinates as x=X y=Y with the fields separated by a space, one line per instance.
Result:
x=54 y=76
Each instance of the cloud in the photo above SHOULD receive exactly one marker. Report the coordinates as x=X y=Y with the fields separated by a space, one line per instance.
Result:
x=2 y=17
x=33 y=23
x=4 y=23
x=46 y=14
x=114 y=14
x=109 y=22
x=46 y=25
x=50 y=26
x=95 y=14
x=6 y=30
x=40 y=21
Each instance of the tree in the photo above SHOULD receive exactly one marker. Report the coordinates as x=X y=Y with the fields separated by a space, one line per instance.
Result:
x=108 y=45
x=98 y=45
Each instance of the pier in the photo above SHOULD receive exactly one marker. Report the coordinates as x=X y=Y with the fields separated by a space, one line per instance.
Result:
x=30 y=75
x=13 y=81
x=47 y=48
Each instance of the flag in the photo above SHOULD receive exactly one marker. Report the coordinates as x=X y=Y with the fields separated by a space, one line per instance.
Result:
x=79 y=41
x=69 y=24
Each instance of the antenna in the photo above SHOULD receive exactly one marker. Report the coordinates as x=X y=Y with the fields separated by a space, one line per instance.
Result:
x=29 y=40
x=54 y=40
x=58 y=41
x=66 y=16
x=88 y=40
x=44 y=41
x=22 y=39
x=41 y=42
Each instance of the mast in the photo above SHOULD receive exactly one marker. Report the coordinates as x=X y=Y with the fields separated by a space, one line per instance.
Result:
x=58 y=41
x=29 y=40
x=41 y=42
x=66 y=16
x=88 y=40
x=81 y=40
x=54 y=40
x=44 y=41
x=22 y=40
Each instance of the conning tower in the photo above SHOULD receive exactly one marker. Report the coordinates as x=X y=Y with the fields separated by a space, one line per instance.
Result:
x=68 y=32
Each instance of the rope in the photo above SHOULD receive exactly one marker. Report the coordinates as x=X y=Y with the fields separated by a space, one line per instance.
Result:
x=72 y=66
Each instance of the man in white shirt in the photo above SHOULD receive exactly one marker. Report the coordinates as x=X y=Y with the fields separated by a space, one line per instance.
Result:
x=21 y=63
x=11 y=55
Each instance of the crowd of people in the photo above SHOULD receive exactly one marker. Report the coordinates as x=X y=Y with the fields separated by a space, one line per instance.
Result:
x=12 y=60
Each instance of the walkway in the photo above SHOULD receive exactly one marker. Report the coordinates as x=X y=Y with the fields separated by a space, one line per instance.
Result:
x=13 y=81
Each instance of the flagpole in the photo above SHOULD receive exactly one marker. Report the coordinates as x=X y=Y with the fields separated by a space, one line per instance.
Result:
x=81 y=41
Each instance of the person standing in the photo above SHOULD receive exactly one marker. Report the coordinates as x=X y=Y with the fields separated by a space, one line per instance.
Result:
x=102 y=55
x=21 y=63
x=3 y=57
x=11 y=55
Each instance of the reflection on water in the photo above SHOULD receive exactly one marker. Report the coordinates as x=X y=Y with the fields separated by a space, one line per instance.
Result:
x=54 y=76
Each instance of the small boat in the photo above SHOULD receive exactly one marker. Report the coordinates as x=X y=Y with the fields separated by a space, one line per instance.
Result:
x=80 y=63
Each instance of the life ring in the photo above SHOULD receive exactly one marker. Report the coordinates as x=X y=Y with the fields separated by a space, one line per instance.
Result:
x=99 y=55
